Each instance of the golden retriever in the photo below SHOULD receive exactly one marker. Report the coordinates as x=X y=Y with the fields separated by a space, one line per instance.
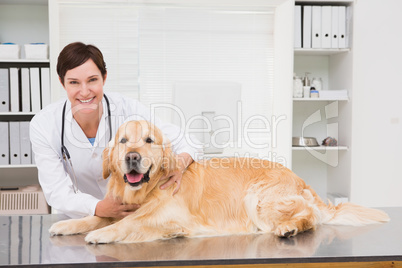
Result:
x=219 y=196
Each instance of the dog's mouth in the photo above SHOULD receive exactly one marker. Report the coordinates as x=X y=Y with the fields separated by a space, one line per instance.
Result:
x=135 y=179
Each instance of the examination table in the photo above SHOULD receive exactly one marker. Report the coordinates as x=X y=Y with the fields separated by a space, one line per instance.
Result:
x=25 y=241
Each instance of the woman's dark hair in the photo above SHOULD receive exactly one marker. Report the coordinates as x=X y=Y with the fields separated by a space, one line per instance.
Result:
x=76 y=54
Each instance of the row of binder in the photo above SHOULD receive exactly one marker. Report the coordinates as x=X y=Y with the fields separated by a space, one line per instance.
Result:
x=15 y=145
x=24 y=89
x=321 y=26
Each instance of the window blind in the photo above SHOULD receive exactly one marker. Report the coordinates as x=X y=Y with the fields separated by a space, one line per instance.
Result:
x=210 y=44
x=113 y=28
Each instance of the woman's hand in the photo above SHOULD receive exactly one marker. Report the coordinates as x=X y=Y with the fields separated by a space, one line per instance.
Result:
x=184 y=160
x=114 y=208
x=174 y=177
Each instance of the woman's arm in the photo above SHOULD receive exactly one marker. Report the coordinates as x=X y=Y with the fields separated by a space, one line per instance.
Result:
x=56 y=184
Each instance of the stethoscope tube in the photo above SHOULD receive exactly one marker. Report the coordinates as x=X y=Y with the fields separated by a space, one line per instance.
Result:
x=64 y=152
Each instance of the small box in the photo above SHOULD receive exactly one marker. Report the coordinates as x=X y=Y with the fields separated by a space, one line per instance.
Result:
x=36 y=51
x=23 y=200
x=9 y=51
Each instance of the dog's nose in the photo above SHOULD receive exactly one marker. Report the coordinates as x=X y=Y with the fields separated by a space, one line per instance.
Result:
x=133 y=157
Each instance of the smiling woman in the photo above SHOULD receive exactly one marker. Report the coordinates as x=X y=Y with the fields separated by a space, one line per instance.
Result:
x=82 y=73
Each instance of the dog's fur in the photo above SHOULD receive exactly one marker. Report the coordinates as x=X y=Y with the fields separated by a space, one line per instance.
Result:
x=217 y=197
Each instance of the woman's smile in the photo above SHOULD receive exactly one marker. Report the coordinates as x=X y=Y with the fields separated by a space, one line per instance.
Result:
x=86 y=100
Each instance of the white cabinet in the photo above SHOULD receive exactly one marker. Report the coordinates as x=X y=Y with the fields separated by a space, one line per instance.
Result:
x=326 y=169
x=22 y=22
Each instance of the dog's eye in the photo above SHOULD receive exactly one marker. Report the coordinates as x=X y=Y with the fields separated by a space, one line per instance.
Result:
x=123 y=140
x=149 y=140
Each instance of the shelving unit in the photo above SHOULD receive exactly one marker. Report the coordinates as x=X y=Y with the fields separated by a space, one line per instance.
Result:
x=22 y=22
x=326 y=169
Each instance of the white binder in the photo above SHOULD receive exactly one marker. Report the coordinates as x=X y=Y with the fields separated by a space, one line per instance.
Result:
x=306 y=26
x=4 y=144
x=25 y=90
x=316 y=27
x=335 y=26
x=4 y=91
x=14 y=90
x=342 y=27
x=35 y=89
x=45 y=86
x=32 y=157
x=15 y=148
x=25 y=143
x=348 y=23
x=326 y=20
x=298 y=27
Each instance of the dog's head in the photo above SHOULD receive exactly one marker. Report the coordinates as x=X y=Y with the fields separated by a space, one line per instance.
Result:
x=138 y=155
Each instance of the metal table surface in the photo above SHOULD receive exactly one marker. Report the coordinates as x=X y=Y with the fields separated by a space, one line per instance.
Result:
x=24 y=240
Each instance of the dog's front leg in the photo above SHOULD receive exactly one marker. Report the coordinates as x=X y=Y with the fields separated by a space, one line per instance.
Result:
x=79 y=226
x=131 y=230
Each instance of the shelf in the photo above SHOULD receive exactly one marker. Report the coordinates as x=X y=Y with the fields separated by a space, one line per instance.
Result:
x=24 y=2
x=23 y=61
x=17 y=166
x=319 y=51
x=324 y=2
x=320 y=99
x=321 y=148
x=16 y=113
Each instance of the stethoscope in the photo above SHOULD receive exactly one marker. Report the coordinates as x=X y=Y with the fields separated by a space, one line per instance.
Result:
x=68 y=166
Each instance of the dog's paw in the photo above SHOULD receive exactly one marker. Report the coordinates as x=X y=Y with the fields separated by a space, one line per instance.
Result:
x=67 y=227
x=103 y=236
x=175 y=235
x=286 y=230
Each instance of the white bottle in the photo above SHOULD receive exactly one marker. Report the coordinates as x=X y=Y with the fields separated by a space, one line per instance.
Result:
x=306 y=86
x=306 y=92
x=317 y=83
x=297 y=87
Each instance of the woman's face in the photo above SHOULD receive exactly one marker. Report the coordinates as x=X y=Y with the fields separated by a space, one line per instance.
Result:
x=84 y=87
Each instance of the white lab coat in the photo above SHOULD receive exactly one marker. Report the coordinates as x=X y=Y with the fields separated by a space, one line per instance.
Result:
x=45 y=134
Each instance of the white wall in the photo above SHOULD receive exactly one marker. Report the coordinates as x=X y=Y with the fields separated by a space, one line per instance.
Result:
x=377 y=104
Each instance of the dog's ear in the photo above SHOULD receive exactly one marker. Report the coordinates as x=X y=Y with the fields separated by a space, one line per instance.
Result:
x=168 y=161
x=107 y=159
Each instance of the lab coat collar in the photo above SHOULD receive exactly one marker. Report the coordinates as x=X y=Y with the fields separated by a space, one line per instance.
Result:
x=77 y=136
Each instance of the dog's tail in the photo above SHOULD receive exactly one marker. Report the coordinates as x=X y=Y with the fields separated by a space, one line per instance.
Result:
x=354 y=215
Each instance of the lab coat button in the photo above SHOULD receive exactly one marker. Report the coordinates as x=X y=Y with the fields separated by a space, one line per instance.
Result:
x=94 y=155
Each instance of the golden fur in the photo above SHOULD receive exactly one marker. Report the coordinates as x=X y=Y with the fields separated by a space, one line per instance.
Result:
x=219 y=196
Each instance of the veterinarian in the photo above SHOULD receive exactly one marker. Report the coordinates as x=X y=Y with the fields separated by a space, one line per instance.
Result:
x=79 y=129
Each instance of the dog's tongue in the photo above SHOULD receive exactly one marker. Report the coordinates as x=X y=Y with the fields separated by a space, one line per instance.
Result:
x=133 y=178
